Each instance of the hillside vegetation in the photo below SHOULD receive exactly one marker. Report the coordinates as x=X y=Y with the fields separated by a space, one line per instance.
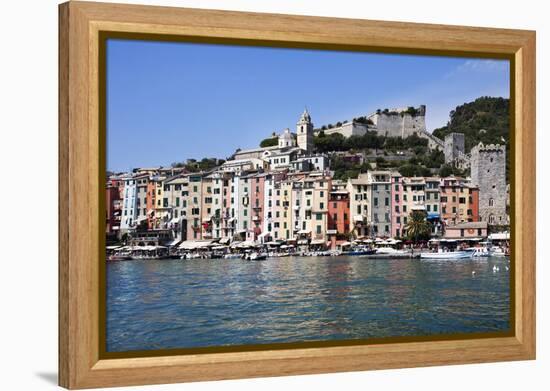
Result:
x=486 y=120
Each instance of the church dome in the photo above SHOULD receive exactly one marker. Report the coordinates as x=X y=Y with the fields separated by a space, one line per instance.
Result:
x=305 y=117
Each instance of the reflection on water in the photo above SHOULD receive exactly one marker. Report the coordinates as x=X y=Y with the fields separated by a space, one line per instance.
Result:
x=168 y=304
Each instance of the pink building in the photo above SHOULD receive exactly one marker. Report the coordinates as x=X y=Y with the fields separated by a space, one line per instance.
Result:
x=398 y=213
x=257 y=183
x=469 y=230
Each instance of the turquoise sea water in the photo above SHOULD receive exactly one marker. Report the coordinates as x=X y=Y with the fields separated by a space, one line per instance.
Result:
x=165 y=304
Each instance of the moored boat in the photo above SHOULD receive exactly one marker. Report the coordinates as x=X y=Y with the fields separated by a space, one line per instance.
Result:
x=360 y=250
x=463 y=254
x=498 y=252
x=119 y=257
x=256 y=256
x=389 y=252
x=232 y=256
x=479 y=252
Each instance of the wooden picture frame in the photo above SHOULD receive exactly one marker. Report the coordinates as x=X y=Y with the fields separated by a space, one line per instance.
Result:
x=81 y=170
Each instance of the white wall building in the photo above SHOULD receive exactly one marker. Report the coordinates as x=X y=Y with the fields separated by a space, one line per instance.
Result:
x=129 y=206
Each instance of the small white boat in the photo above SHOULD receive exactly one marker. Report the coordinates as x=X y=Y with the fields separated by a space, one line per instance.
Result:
x=497 y=252
x=232 y=256
x=191 y=256
x=479 y=252
x=465 y=254
x=256 y=256
x=391 y=251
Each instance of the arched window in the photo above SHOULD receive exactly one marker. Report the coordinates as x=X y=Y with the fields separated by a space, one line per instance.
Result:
x=491 y=202
x=491 y=219
x=302 y=128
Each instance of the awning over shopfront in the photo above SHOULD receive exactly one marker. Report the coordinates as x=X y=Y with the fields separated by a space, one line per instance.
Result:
x=235 y=244
x=225 y=240
x=219 y=247
x=432 y=216
x=247 y=244
x=304 y=232
x=195 y=244
x=174 y=242
x=317 y=241
x=273 y=243
x=358 y=219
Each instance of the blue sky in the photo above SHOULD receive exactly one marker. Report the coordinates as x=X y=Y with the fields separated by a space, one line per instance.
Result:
x=167 y=102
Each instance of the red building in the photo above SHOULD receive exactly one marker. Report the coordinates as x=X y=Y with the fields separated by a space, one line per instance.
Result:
x=113 y=206
x=338 y=217
x=150 y=204
x=473 y=204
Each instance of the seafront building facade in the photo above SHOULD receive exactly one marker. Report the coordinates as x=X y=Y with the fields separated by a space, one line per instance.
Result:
x=269 y=206
x=287 y=193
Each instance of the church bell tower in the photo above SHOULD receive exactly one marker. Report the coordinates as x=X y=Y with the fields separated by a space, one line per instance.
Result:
x=304 y=132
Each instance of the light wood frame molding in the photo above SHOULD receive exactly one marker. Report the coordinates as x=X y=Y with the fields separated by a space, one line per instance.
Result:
x=80 y=364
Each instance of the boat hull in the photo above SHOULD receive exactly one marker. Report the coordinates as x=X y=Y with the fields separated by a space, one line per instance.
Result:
x=448 y=256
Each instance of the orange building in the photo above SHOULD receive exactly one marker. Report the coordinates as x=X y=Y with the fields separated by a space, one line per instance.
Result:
x=459 y=201
x=338 y=217
x=472 y=211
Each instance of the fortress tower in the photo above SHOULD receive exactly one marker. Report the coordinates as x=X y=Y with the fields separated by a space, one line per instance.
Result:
x=488 y=171
x=454 y=147
x=304 y=130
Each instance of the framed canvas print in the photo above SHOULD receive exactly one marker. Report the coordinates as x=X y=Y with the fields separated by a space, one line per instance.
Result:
x=247 y=195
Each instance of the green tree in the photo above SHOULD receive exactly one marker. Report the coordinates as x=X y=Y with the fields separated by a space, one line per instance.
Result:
x=448 y=170
x=329 y=143
x=486 y=120
x=269 y=142
x=417 y=227
x=409 y=169
x=445 y=171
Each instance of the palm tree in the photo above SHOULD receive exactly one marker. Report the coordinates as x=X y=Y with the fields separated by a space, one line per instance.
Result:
x=418 y=227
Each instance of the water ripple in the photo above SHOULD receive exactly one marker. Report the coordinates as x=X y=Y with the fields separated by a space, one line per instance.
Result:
x=180 y=304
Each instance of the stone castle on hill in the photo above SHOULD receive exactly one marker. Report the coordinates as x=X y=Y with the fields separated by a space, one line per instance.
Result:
x=397 y=122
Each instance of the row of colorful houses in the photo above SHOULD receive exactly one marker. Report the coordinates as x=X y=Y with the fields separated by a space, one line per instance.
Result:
x=263 y=206
x=287 y=192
